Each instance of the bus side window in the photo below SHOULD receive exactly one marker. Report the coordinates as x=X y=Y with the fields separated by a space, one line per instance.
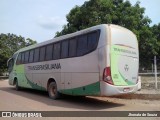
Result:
x=42 y=53
x=31 y=55
x=22 y=58
x=49 y=50
x=82 y=45
x=26 y=56
x=92 y=41
x=72 y=47
x=64 y=51
x=36 y=55
x=56 y=51
x=19 y=59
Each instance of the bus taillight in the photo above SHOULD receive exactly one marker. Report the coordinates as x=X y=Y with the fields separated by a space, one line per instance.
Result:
x=107 y=75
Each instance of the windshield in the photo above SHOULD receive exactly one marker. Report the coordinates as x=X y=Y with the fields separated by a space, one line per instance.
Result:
x=10 y=64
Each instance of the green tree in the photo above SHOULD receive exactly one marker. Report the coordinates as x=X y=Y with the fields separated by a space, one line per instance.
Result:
x=96 y=12
x=10 y=43
x=156 y=33
x=30 y=41
x=117 y=12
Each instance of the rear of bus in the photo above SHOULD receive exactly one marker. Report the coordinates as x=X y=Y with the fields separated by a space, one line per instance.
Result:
x=120 y=74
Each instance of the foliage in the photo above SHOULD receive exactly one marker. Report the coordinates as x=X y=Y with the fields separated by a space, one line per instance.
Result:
x=156 y=34
x=118 y=12
x=10 y=43
x=96 y=12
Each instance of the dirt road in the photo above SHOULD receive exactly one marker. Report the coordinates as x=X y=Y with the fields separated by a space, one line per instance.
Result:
x=31 y=100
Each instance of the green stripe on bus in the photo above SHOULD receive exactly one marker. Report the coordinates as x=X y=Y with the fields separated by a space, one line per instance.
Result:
x=34 y=85
x=24 y=81
x=114 y=70
x=92 y=89
x=127 y=81
x=120 y=80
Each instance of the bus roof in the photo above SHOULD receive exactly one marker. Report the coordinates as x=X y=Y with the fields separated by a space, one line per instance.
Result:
x=62 y=37
x=101 y=26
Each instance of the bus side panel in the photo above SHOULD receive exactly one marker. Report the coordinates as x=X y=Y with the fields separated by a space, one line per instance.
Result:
x=80 y=75
x=42 y=72
x=104 y=56
x=102 y=61
x=22 y=81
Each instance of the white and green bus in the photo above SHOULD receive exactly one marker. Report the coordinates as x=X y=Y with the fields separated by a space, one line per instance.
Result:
x=99 y=61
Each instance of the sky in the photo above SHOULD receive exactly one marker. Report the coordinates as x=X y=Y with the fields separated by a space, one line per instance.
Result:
x=41 y=19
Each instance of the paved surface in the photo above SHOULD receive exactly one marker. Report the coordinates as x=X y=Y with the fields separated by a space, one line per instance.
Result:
x=31 y=100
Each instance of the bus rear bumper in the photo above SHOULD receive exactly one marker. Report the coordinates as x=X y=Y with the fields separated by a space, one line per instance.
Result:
x=111 y=90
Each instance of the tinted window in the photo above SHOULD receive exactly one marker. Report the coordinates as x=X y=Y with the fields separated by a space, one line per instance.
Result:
x=49 y=53
x=42 y=53
x=10 y=65
x=31 y=55
x=56 y=51
x=26 y=57
x=92 y=41
x=22 y=58
x=18 y=59
x=82 y=45
x=36 y=55
x=64 y=52
x=72 y=47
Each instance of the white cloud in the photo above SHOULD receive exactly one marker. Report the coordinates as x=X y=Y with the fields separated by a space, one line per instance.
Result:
x=51 y=23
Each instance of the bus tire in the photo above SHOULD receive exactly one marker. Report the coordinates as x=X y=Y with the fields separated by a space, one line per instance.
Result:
x=52 y=91
x=16 y=85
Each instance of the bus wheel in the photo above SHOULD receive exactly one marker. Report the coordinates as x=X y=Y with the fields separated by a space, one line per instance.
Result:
x=16 y=85
x=52 y=91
